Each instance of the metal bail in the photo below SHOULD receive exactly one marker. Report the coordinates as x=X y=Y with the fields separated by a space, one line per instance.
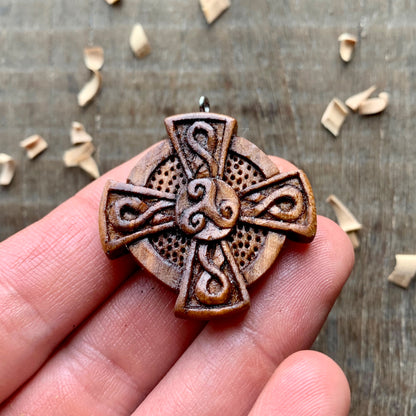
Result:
x=204 y=106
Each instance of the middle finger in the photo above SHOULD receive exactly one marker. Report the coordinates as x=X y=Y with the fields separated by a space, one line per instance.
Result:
x=113 y=362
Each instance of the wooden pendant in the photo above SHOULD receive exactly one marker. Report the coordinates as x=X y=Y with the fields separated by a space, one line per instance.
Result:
x=206 y=212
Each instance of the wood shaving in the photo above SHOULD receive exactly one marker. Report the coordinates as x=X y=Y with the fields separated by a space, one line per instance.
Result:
x=75 y=155
x=385 y=96
x=374 y=105
x=404 y=271
x=334 y=116
x=8 y=168
x=90 y=89
x=94 y=58
x=212 y=9
x=89 y=165
x=355 y=241
x=81 y=156
x=355 y=100
x=34 y=145
x=138 y=41
x=112 y=1
x=346 y=219
x=346 y=46
x=78 y=134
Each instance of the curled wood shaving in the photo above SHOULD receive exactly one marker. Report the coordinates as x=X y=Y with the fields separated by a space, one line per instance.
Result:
x=34 y=145
x=334 y=116
x=94 y=58
x=81 y=156
x=138 y=41
x=78 y=134
x=346 y=46
x=355 y=241
x=346 y=219
x=404 y=271
x=385 y=96
x=8 y=168
x=355 y=100
x=90 y=89
x=75 y=155
x=89 y=165
x=212 y=9
x=374 y=105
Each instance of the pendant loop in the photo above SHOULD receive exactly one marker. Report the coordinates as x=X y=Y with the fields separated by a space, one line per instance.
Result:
x=204 y=106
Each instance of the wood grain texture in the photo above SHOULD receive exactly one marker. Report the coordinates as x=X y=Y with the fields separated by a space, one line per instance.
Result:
x=272 y=65
x=207 y=213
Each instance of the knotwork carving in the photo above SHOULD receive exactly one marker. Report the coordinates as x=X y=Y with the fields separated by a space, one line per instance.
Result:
x=213 y=286
x=207 y=213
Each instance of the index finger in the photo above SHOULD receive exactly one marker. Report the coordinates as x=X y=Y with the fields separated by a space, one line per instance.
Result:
x=54 y=273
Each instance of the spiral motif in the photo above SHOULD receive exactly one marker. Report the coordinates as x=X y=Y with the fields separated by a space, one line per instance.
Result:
x=207 y=209
x=187 y=208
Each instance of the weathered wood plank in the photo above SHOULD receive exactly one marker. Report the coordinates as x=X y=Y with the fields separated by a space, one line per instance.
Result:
x=272 y=65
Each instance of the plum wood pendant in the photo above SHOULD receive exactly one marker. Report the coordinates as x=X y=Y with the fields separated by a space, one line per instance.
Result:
x=207 y=213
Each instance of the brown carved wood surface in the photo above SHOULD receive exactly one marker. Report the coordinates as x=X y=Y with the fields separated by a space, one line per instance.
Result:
x=274 y=66
x=207 y=213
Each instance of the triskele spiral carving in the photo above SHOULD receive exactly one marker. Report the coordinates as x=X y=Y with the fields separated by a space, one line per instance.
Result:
x=207 y=213
x=207 y=209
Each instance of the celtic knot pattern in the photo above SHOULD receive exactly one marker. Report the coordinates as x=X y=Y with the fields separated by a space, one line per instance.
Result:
x=207 y=213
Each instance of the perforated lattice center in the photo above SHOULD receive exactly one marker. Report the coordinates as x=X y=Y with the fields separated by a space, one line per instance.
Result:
x=246 y=241
x=168 y=176
x=240 y=173
x=172 y=247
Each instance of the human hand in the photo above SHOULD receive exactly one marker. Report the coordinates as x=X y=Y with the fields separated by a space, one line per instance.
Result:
x=83 y=335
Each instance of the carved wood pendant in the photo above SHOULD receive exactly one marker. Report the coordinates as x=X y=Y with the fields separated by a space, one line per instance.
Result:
x=207 y=213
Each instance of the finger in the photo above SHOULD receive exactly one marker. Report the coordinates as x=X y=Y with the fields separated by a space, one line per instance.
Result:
x=104 y=346
x=113 y=349
x=307 y=383
x=54 y=273
x=225 y=368
x=112 y=363
x=283 y=164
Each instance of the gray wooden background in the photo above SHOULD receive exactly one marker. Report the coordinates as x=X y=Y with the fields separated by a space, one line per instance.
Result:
x=273 y=65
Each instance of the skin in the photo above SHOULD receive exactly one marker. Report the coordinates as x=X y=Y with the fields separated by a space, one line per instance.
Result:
x=83 y=335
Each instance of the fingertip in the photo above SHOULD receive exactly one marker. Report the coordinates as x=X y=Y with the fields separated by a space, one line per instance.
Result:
x=337 y=247
x=307 y=383
x=283 y=164
x=322 y=267
x=341 y=247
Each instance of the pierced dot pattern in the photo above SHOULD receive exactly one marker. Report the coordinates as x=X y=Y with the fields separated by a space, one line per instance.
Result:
x=168 y=176
x=240 y=173
x=246 y=243
x=171 y=246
